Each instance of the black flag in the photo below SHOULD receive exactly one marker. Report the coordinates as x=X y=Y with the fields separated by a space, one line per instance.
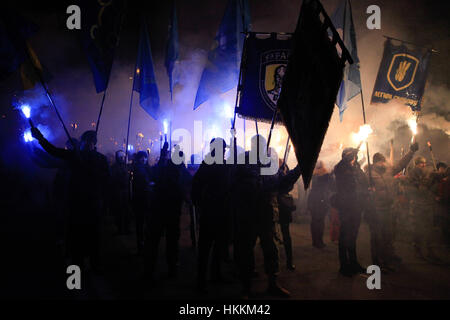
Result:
x=310 y=86
x=402 y=75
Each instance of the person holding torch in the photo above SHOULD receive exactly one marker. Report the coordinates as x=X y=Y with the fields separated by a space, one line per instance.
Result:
x=380 y=218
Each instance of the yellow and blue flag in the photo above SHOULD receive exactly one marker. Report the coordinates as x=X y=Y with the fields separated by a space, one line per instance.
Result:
x=144 y=76
x=221 y=72
x=351 y=82
x=16 y=51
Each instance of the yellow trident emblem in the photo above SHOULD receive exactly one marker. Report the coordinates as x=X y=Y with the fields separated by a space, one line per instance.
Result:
x=398 y=72
x=401 y=70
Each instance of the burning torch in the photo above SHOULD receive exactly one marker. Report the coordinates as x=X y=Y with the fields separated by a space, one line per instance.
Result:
x=362 y=135
x=432 y=155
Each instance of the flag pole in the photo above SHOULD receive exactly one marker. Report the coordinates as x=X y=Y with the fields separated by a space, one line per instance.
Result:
x=107 y=84
x=414 y=44
x=286 y=150
x=44 y=86
x=101 y=110
x=131 y=105
x=271 y=127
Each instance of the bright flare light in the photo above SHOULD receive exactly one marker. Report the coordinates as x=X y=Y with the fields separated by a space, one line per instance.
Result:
x=362 y=135
x=27 y=136
x=26 y=110
x=228 y=111
x=412 y=123
x=166 y=126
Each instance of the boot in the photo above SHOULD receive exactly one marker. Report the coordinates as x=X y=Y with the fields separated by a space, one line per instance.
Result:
x=288 y=249
x=276 y=290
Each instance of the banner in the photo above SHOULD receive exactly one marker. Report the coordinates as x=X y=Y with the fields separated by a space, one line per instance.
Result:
x=402 y=75
x=266 y=58
x=310 y=86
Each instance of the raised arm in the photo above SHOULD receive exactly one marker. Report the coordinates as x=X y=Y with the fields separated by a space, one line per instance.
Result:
x=51 y=149
x=403 y=162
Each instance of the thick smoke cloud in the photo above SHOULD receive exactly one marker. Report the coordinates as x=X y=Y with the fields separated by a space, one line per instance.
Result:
x=73 y=89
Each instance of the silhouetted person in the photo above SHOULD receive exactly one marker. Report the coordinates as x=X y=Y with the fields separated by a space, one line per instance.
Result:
x=255 y=206
x=119 y=193
x=193 y=214
x=86 y=196
x=61 y=197
x=210 y=193
x=318 y=202
x=168 y=196
x=285 y=208
x=142 y=188
x=351 y=197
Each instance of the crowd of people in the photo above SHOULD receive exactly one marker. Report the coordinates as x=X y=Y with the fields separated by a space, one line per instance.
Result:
x=233 y=206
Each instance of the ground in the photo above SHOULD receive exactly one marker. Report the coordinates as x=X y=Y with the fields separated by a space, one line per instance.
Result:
x=316 y=276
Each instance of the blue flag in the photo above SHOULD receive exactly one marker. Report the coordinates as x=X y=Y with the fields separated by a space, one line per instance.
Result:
x=99 y=37
x=172 y=54
x=144 y=76
x=351 y=83
x=221 y=72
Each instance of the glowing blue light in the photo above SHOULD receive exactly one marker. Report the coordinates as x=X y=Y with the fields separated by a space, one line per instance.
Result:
x=27 y=136
x=166 y=126
x=26 y=110
x=227 y=110
x=130 y=147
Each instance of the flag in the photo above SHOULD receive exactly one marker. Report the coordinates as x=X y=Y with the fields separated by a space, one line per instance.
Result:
x=31 y=70
x=351 y=83
x=402 y=75
x=144 y=76
x=15 y=50
x=172 y=54
x=101 y=23
x=221 y=72
x=264 y=68
x=310 y=85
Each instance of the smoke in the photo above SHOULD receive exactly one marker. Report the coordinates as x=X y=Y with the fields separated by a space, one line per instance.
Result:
x=74 y=93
